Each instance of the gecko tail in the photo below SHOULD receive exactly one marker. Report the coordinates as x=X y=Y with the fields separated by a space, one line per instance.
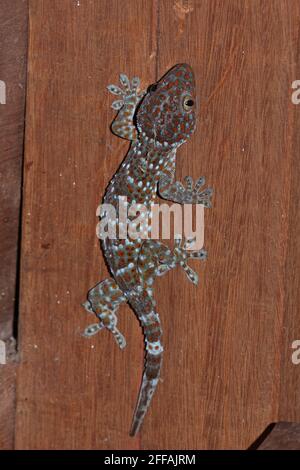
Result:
x=143 y=305
x=147 y=390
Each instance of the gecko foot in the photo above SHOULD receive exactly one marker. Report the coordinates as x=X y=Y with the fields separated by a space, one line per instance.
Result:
x=183 y=254
x=191 y=192
x=128 y=92
x=109 y=321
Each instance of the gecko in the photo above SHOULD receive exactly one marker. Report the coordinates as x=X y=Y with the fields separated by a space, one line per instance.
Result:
x=156 y=122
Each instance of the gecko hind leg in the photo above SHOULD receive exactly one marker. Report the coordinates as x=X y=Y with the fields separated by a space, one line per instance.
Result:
x=183 y=253
x=123 y=125
x=155 y=259
x=104 y=300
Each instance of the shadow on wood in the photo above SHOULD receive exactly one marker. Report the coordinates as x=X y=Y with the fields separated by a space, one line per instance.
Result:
x=279 y=436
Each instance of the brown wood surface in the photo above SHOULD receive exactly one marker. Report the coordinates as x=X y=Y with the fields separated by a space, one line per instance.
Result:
x=13 y=55
x=284 y=436
x=227 y=370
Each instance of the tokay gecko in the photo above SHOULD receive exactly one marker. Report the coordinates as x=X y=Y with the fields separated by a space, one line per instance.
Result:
x=156 y=122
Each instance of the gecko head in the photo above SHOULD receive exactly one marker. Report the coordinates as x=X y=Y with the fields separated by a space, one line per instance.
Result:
x=167 y=114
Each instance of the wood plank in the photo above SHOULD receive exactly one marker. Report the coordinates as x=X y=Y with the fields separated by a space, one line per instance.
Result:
x=13 y=37
x=222 y=362
x=74 y=392
x=13 y=55
x=289 y=403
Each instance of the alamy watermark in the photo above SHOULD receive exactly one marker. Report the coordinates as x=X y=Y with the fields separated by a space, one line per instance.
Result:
x=296 y=353
x=2 y=92
x=296 y=93
x=138 y=222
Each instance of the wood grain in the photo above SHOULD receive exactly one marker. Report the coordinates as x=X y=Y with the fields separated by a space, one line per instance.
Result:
x=13 y=55
x=227 y=371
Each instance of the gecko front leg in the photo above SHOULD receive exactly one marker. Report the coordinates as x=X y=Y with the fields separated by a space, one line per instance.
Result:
x=175 y=191
x=130 y=96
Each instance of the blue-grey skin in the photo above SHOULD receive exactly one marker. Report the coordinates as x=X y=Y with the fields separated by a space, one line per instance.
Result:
x=157 y=123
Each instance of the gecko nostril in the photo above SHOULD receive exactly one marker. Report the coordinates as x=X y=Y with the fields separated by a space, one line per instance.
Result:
x=153 y=87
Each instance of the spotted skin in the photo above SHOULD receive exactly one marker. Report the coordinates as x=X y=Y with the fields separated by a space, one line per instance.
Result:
x=157 y=123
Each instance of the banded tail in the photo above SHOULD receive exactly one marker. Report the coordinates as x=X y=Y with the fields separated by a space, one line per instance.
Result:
x=144 y=306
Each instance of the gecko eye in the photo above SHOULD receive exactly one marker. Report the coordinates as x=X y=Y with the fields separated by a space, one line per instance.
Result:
x=188 y=103
x=153 y=87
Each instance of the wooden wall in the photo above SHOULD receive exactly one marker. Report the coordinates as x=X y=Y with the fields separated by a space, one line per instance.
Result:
x=227 y=371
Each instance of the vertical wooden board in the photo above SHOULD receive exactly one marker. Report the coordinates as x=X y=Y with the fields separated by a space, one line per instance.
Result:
x=13 y=54
x=222 y=340
x=74 y=392
x=289 y=402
